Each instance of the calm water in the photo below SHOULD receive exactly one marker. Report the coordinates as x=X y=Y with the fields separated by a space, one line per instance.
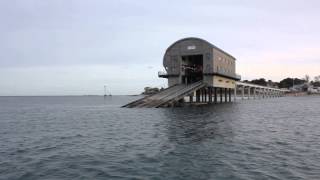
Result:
x=92 y=138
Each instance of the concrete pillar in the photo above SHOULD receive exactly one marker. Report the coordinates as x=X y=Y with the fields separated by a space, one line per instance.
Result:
x=249 y=89
x=191 y=98
x=202 y=98
x=220 y=95
x=210 y=95
x=225 y=94
x=242 y=92
x=254 y=93
x=198 y=96
x=273 y=93
x=215 y=95
x=205 y=95
x=229 y=94
x=266 y=91
x=270 y=93
x=235 y=93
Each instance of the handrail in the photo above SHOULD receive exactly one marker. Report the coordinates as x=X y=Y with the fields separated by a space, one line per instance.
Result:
x=162 y=73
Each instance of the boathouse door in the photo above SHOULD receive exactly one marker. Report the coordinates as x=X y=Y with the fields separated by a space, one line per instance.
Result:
x=192 y=66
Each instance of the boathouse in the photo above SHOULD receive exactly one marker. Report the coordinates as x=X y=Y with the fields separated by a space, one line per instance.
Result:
x=193 y=59
x=195 y=67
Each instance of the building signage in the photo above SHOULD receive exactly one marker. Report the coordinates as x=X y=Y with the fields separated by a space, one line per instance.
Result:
x=191 y=47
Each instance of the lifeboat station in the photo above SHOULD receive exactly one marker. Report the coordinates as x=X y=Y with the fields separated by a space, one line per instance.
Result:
x=198 y=72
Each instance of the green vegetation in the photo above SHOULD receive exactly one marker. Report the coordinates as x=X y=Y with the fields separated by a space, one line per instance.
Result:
x=286 y=83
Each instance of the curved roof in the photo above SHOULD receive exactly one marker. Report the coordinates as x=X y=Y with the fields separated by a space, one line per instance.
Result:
x=199 y=39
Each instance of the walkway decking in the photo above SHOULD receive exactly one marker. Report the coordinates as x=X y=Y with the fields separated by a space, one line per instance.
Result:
x=257 y=91
x=204 y=94
x=167 y=97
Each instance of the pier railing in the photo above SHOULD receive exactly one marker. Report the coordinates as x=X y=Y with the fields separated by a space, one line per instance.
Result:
x=164 y=74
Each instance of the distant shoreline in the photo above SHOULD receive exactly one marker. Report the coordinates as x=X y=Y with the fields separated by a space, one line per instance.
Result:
x=68 y=95
x=288 y=95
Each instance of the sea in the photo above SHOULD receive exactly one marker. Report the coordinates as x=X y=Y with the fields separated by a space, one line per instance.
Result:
x=92 y=137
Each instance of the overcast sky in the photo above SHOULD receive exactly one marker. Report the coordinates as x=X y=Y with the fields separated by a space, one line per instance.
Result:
x=75 y=47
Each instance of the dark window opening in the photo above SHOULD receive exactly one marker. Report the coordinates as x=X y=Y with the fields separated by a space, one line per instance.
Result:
x=193 y=68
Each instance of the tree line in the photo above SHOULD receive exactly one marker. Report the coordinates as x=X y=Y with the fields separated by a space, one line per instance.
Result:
x=287 y=82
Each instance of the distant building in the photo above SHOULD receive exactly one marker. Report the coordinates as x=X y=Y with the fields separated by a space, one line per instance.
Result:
x=149 y=90
x=191 y=60
x=313 y=90
x=300 y=87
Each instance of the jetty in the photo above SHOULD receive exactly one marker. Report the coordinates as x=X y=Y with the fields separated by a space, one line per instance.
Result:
x=200 y=72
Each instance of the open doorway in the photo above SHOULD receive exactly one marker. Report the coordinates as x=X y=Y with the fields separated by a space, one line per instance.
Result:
x=193 y=68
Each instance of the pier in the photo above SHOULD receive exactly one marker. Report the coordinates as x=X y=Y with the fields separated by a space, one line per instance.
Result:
x=200 y=73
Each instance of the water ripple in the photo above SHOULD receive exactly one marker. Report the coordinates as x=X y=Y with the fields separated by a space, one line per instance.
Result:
x=92 y=138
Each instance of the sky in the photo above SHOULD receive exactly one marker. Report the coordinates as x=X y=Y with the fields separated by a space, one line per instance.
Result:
x=75 y=47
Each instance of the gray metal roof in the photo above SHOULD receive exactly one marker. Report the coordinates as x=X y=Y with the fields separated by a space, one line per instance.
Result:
x=199 y=39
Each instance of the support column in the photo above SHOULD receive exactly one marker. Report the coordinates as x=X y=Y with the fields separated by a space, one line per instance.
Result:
x=210 y=94
x=242 y=92
x=235 y=93
x=198 y=96
x=215 y=95
x=229 y=94
x=269 y=93
x=225 y=95
x=254 y=93
x=249 y=89
x=202 y=98
x=266 y=91
x=220 y=95
x=205 y=95
x=191 y=98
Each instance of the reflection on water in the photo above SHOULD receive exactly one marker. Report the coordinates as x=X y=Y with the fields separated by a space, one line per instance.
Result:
x=197 y=124
x=91 y=137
